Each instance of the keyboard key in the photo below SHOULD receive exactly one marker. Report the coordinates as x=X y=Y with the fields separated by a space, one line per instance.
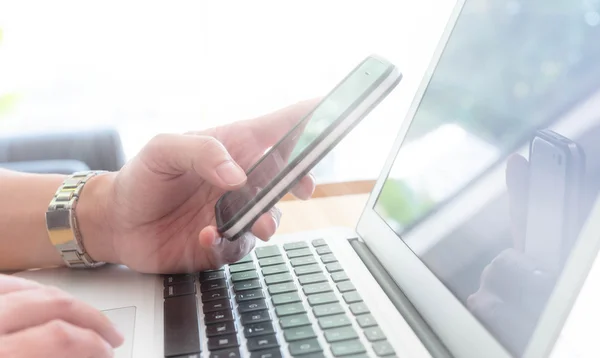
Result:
x=295 y=245
x=340 y=334
x=312 y=278
x=317 y=288
x=216 y=305
x=339 y=276
x=383 y=349
x=219 y=329
x=270 y=261
x=328 y=309
x=301 y=261
x=284 y=298
x=294 y=321
x=366 y=320
x=338 y=320
x=249 y=295
x=289 y=309
x=262 y=342
x=180 y=289
x=215 y=295
x=211 y=275
x=251 y=306
x=279 y=278
x=328 y=258
x=345 y=286
x=347 y=347
x=222 y=342
x=299 y=253
x=322 y=298
x=359 y=308
x=226 y=353
x=218 y=317
x=308 y=269
x=374 y=334
x=316 y=355
x=174 y=279
x=319 y=242
x=267 y=353
x=282 y=288
x=181 y=334
x=243 y=276
x=248 y=266
x=323 y=250
x=272 y=270
x=247 y=258
x=213 y=285
x=246 y=285
x=258 y=329
x=333 y=267
x=255 y=317
x=267 y=251
x=299 y=333
x=304 y=347
x=351 y=297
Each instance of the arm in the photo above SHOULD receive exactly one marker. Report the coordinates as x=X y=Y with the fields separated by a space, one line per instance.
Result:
x=24 y=241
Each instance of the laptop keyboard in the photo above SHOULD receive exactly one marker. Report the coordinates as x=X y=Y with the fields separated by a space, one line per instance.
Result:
x=293 y=300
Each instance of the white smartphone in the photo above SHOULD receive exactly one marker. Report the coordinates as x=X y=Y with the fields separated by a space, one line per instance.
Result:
x=556 y=166
x=282 y=166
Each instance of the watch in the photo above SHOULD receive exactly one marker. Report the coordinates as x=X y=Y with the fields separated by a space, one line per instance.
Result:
x=61 y=221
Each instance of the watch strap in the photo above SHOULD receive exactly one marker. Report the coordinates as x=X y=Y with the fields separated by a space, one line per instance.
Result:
x=62 y=225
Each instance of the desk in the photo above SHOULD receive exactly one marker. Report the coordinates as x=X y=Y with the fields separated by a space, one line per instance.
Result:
x=321 y=212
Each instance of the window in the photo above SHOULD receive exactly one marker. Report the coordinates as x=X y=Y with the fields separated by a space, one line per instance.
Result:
x=150 y=67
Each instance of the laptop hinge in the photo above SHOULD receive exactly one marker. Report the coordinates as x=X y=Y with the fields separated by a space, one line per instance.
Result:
x=435 y=347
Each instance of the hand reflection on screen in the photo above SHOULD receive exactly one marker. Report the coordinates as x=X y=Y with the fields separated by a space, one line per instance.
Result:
x=513 y=289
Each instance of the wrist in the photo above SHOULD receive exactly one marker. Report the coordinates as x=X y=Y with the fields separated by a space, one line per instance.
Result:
x=93 y=218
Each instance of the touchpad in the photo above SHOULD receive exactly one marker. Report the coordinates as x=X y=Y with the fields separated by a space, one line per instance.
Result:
x=124 y=320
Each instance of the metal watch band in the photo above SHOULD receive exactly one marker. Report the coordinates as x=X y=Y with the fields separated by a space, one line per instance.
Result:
x=61 y=221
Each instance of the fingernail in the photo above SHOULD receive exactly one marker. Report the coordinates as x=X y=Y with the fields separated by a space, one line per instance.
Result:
x=109 y=349
x=230 y=173
x=276 y=214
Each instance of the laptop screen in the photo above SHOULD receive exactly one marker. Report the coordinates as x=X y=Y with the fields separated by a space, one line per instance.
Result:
x=515 y=96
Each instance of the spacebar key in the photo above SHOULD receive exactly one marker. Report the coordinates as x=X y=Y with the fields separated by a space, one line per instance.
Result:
x=181 y=326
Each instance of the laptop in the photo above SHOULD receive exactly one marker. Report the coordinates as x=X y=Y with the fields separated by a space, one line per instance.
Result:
x=474 y=242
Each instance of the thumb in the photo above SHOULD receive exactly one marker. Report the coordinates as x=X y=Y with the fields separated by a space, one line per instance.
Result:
x=177 y=154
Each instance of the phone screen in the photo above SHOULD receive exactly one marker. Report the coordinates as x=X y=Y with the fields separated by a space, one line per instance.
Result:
x=546 y=203
x=307 y=132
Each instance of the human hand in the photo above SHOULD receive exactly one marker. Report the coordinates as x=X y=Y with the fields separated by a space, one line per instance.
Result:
x=41 y=321
x=158 y=210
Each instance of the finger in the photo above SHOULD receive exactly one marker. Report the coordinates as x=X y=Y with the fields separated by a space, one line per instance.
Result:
x=517 y=177
x=11 y=283
x=54 y=339
x=177 y=154
x=267 y=224
x=515 y=279
x=22 y=309
x=305 y=187
x=218 y=251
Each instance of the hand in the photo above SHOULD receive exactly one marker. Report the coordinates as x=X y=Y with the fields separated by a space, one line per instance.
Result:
x=513 y=290
x=158 y=210
x=39 y=321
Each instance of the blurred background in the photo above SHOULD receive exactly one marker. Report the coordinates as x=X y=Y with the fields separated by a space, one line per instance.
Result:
x=145 y=67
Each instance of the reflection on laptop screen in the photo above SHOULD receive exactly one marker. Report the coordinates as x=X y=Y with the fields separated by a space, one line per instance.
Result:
x=516 y=92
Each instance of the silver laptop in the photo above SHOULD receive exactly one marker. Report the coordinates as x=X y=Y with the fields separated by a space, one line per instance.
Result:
x=474 y=241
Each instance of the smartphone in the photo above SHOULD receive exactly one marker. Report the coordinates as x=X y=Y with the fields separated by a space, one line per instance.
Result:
x=298 y=151
x=556 y=167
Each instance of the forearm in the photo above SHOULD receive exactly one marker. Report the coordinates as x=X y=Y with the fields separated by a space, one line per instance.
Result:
x=24 y=240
